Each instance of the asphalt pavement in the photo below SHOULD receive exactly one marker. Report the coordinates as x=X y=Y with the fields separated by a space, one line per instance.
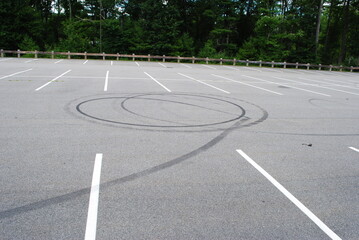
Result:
x=156 y=150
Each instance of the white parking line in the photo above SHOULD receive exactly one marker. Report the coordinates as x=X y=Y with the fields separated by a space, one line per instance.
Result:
x=106 y=81
x=137 y=64
x=91 y=225
x=186 y=65
x=6 y=59
x=208 y=66
x=15 y=73
x=58 y=61
x=311 y=72
x=209 y=85
x=248 y=84
x=326 y=82
x=272 y=70
x=158 y=82
x=37 y=89
x=292 y=71
x=293 y=199
x=253 y=69
x=32 y=60
x=280 y=84
x=354 y=149
x=230 y=67
x=162 y=65
x=314 y=85
x=85 y=62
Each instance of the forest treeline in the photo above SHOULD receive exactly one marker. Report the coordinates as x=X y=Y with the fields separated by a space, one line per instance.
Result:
x=315 y=31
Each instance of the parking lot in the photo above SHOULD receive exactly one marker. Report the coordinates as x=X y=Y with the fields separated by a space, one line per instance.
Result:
x=94 y=149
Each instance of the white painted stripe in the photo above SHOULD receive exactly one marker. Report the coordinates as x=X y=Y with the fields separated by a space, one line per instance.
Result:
x=15 y=73
x=230 y=67
x=314 y=85
x=158 y=82
x=208 y=66
x=6 y=59
x=37 y=89
x=311 y=72
x=339 y=81
x=111 y=63
x=209 y=85
x=334 y=73
x=162 y=65
x=91 y=225
x=186 y=65
x=253 y=69
x=272 y=70
x=248 y=84
x=32 y=60
x=85 y=62
x=106 y=81
x=329 y=83
x=354 y=149
x=293 y=199
x=58 y=61
x=280 y=84
x=137 y=64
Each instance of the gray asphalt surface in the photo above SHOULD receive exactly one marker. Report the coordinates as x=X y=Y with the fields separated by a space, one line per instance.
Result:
x=169 y=133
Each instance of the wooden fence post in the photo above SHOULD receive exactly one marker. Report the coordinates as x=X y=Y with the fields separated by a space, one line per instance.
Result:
x=308 y=65
x=85 y=55
x=35 y=53
x=351 y=68
x=341 y=68
x=178 y=59
x=221 y=61
x=18 y=53
x=164 y=58
x=272 y=64
x=192 y=59
x=260 y=63
x=103 y=56
x=2 y=53
x=52 y=54
x=296 y=65
x=133 y=56
x=247 y=62
x=320 y=66
x=285 y=65
x=206 y=60
x=68 y=55
x=234 y=62
x=149 y=59
x=331 y=67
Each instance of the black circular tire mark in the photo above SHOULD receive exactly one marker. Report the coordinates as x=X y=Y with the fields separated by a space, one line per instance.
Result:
x=78 y=108
x=134 y=176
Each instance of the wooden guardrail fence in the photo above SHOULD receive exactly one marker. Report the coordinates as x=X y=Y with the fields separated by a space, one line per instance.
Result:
x=149 y=57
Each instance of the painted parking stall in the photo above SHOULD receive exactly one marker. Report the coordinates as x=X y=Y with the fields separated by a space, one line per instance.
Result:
x=165 y=150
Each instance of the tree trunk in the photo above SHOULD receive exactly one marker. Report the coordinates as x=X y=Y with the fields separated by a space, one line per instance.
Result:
x=70 y=9
x=343 y=42
x=326 y=56
x=318 y=28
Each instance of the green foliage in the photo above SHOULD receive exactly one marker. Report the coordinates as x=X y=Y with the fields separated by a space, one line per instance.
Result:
x=184 y=46
x=257 y=30
x=274 y=40
x=80 y=36
x=208 y=50
x=28 y=44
